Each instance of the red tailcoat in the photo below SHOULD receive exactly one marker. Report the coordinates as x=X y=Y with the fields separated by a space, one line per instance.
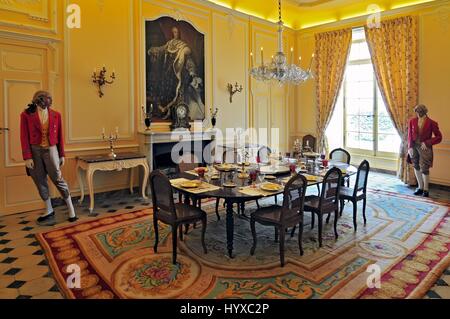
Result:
x=31 y=132
x=430 y=127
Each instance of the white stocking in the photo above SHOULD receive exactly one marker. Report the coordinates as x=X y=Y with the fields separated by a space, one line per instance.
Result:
x=419 y=178
x=426 y=182
x=70 y=206
x=48 y=204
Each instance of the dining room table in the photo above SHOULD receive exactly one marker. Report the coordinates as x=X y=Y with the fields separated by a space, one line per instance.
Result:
x=234 y=185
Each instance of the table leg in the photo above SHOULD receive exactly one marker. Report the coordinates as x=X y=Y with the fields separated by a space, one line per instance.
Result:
x=131 y=180
x=90 y=176
x=80 y=183
x=145 y=180
x=230 y=227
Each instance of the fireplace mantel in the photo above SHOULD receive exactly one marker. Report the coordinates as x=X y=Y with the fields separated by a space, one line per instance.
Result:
x=148 y=139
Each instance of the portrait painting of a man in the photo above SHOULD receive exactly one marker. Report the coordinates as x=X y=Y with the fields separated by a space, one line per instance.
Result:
x=175 y=68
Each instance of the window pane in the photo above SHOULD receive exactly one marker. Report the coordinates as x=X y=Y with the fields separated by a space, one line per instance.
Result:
x=352 y=106
x=388 y=143
x=366 y=106
x=366 y=141
x=385 y=125
x=358 y=34
x=353 y=123
x=359 y=73
x=366 y=124
x=359 y=51
x=352 y=140
x=360 y=89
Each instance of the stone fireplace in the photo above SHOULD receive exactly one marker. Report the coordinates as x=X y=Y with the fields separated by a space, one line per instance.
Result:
x=159 y=146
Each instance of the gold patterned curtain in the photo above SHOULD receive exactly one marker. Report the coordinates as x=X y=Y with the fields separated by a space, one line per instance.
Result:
x=332 y=50
x=394 y=50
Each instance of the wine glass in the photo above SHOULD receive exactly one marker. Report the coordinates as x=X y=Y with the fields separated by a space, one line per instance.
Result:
x=201 y=172
x=252 y=175
x=293 y=168
x=261 y=177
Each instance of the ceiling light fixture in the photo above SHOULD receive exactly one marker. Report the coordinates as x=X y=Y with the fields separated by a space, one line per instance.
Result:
x=279 y=70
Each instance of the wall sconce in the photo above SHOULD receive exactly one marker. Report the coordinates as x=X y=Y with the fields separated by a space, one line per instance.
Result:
x=100 y=80
x=232 y=91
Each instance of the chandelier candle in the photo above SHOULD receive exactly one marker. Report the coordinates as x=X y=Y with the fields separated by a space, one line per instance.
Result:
x=278 y=69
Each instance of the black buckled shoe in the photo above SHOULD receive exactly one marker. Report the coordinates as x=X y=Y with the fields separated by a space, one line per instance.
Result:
x=72 y=219
x=48 y=220
x=418 y=192
x=426 y=194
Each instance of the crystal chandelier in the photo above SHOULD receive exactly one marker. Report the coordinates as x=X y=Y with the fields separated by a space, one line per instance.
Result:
x=279 y=69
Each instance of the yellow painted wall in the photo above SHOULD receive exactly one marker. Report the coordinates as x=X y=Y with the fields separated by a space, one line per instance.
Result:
x=434 y=67
x=112 y=34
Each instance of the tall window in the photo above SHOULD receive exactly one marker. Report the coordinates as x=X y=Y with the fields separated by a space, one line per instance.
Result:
x=360 y=122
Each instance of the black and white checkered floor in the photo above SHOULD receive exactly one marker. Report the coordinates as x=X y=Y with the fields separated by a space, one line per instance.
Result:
x=24 y=272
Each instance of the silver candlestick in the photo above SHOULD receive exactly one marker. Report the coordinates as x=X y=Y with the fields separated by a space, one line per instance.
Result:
x=111 y=139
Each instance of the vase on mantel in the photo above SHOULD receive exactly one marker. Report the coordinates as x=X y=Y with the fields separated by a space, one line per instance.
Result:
x=148 y=117
x=214 y=118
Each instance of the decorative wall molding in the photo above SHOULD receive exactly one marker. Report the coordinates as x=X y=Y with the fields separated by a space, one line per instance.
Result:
x=36 y=10
x=234 y=21
x=27 y=37
x=68 y=92
x=309 y=32
x=9 y=161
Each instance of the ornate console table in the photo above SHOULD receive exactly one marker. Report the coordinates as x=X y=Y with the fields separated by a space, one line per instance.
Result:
x=91 y=164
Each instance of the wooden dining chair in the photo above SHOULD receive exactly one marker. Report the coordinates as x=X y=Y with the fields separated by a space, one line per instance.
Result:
x=176 y=215
x=290 y=214
x=188 y=162
x=343 y=156
x=340 y=155
x=264 y=153
x=327 y=202
x=358 y=193
x=309 y=141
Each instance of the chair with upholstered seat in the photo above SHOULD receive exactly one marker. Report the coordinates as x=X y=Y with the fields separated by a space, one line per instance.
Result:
x=327 y=202
x=282 y=217
x=309 y=141
x=264 y=154
x=176 y=215
x=358 y=193
x=341 y=155
x=188 y=162
x=228 y=156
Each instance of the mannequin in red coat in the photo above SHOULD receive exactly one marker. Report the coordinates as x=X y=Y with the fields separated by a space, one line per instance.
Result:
x=420 y=147
x=43 y=152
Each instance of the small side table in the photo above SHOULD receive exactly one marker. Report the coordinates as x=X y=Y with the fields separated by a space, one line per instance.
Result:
x=91 y=164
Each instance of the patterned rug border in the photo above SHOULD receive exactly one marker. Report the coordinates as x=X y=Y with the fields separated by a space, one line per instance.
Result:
x=429 y=279
x=416 y=292
x=53 y=264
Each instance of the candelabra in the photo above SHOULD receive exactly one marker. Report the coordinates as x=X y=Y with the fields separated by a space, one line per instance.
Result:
x=111 y=139
x=279 y=69
x=100 y=79
x=233 y=91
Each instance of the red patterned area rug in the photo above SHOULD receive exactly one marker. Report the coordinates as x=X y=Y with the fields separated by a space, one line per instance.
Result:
x=406 y=238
